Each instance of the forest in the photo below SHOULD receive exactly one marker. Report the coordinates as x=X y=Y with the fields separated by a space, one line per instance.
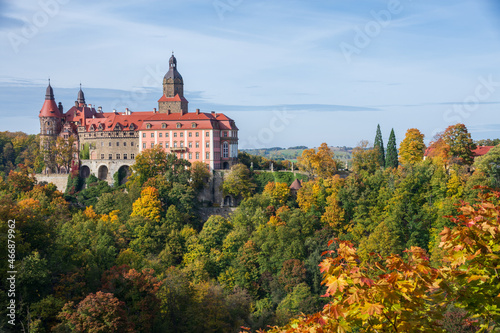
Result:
x=406 y=241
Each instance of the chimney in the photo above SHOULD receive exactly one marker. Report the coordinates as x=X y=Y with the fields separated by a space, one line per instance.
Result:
x=99 y=109
x=90 y=106
x=168 y=111
x=197 y=111
x=154 y=110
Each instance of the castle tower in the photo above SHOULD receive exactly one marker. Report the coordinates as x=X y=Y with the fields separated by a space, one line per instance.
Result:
x=51 y=119
x=173 y=100
x=81 y=97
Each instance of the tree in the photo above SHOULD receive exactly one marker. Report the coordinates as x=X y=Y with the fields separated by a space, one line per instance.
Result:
x=278 y=192
x=155 y=161
x=490 y=165
x=148 y=205
x=365 y=160
x=97 y=313
x=321 y=163
x=412 y=147
x=461 y=145
x=199 y=175
x=378 y=144
x=453 y=146
x=64 y=152
x=238 y=182
x=392 y=152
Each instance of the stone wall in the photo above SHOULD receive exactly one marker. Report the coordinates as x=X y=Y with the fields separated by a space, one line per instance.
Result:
x=61 y=181
x=212 y=193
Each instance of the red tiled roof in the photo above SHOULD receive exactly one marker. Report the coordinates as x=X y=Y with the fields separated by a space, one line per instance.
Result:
x=176 y=98
x=481 y=150
x=50 y=109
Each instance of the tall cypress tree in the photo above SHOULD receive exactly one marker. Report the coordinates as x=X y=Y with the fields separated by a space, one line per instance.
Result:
x=379 y=144
x=392 y=152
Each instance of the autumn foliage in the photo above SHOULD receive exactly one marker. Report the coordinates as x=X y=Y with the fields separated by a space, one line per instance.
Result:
x=407 y=294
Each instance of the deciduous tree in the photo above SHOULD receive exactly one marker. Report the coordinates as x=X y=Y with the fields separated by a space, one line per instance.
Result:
x=412 y=148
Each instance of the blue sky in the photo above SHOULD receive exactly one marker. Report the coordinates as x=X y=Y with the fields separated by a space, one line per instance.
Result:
x=288 y=72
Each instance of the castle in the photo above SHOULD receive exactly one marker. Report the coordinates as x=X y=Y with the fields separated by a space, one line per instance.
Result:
x=112 y=140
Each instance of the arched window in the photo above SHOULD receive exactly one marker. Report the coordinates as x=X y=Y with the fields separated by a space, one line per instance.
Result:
x=225 y=150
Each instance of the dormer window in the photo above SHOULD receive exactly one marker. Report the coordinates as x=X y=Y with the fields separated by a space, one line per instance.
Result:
x=148 y=125
x=193 y=125
x=163 y=125
x=92 y=127
x=118 y=127
x=132 y=127
x=101 y=127
x=178 y=125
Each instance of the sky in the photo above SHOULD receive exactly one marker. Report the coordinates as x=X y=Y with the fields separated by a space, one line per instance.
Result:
x=289 y=72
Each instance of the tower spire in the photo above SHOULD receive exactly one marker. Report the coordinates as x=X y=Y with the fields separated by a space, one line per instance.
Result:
x=49 y=93
x=81 y=96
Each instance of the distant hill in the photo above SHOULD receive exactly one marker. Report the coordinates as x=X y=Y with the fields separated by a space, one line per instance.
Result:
x=277 y=153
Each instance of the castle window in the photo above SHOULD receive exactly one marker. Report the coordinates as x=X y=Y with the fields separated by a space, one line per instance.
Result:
x=110 y=156
x=109 y=143
x=207 y=145
x=190 y=156
x=190 y=134
x=175 y=144
x=152 y=135
x=152 y=144
x=117 y=156
x=124 y=144
x=102 y=145
x=178 y=125
x=166 y=144
x=193 y=125
x=118 y=144
x=208 y=156
x=160 y=135
x=166 y=135
x=143 y=135
x=190 y=145
x=131 y=144
x=197 y=145
x=102 y=156
x=132 y=156
x=163 y=125
x=148 y=125
x=181 y=134
x=182 y=144
x=225 y=134
x=207 y=134
x=175 y=134
x=197 y=156
x=182 y=155
x=197 y=134
x=124 y=156
x=144 y=145
x=225 y=150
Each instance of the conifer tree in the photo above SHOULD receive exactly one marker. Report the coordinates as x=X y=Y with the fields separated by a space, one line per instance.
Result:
x=379 y=144
x=392 y=152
